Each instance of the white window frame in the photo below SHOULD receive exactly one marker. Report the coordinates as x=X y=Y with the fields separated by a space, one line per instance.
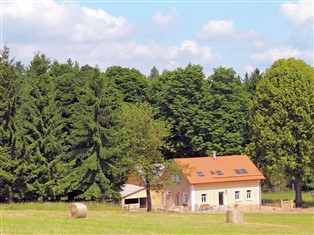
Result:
x=178 y=179
x=251 y=193
x=239 y=194
x=204 y=197
x=185 y=198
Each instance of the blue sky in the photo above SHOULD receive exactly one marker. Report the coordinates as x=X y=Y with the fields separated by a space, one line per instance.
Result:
x=167 y=34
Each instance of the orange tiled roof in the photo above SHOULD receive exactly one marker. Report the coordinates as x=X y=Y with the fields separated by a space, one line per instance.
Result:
x=227 y=165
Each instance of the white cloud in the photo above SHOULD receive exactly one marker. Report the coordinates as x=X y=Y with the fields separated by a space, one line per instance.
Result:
x=63 y=30
x=127 y=53
x=298 y=13
x=217 y=30
x=258 y=44
x=248 y=69
x=275 y=53
x=163 y=22
x=50 y=21
x=224 y=30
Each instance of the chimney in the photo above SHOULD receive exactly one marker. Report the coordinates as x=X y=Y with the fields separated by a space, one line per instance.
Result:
x=214 y=155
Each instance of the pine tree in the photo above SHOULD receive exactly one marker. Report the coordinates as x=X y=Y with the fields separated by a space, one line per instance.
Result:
x=10 y=81
x=39 y=130
x=154 y=74
x=91 y=164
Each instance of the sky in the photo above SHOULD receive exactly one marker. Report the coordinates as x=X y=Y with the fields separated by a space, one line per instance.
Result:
x=242 y=35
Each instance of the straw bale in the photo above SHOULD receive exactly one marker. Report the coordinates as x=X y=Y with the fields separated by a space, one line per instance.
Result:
x=77 y=210
x=234 y=216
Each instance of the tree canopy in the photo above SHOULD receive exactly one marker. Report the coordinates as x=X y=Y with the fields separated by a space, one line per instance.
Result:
x=282 y=123
x=69 y=131
x=141 y=138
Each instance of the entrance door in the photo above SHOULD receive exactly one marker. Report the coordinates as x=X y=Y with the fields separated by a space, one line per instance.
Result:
x=221 y=198
x=142 y=202
x=178 y=199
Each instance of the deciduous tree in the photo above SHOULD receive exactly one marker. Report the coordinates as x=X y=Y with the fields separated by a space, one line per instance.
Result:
x=282 y=123
x=179 y=105
x=230 y=103
x=130 y=82
x=141 y=137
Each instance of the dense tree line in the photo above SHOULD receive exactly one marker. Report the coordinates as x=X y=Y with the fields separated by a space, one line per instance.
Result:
x=75 y=131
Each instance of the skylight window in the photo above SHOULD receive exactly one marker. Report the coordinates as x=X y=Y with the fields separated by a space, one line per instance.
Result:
x=243 y=171
x=200 y=173
x=212 y=172
x=240 y=171
x=237 y=171
x=219 y=172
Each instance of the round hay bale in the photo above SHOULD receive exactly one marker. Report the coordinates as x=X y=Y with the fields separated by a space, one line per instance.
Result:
x=77 y=210
x=235 y=216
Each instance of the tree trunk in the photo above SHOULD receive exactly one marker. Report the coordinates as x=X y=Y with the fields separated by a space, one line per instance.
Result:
x=149 y=200
x=298 y=193
x=10 y=196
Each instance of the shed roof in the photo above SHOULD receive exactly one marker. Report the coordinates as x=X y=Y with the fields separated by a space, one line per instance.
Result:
x=202 y=170
x=129 y=189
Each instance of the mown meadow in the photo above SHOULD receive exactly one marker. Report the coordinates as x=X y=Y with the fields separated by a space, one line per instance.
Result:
x=51 y=218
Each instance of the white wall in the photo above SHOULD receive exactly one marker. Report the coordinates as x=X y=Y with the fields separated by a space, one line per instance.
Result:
x=228 y=189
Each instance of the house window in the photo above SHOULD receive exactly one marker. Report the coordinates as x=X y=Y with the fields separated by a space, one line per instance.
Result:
x=173 y=178
x=176 y=178
x=204 y=197
x=249 y=194
x=131 y=201
x=185 y=198
x=237 y=195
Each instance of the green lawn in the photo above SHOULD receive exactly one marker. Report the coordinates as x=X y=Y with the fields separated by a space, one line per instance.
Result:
x=48 y=218
x=289 y=195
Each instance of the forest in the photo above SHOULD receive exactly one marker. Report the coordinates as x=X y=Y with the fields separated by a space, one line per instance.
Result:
x=71 y=131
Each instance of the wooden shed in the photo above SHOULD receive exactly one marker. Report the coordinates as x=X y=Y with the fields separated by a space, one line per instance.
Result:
x=133 y=196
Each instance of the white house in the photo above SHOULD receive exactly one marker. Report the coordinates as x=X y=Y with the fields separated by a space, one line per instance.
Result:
x=216 y=182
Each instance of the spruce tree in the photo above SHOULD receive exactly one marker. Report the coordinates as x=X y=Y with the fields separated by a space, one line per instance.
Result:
x=39 y=130
x=10 y=81
x=91 y=164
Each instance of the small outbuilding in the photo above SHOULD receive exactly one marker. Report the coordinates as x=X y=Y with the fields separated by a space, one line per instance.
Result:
x=133 y=196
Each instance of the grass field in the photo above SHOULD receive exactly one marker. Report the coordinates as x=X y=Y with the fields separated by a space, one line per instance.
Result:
x=51 y=218
x=289 y=195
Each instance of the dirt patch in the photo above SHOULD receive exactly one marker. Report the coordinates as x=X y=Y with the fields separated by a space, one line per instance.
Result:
x=278 y=210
